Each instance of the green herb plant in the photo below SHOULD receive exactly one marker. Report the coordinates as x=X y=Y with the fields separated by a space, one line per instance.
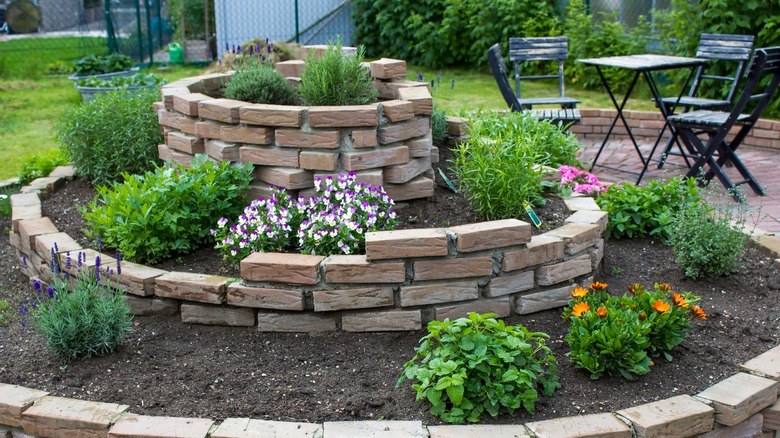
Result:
x=167 y=211
x=101 y=64
x=336 y=78
x=112 y=134
x=41 y=165
x=6 y=313
x=477 y=364
x=438 y=124
x=260 y=83
x=636 y=211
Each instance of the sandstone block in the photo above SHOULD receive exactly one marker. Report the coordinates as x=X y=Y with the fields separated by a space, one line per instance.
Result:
x=389 y=90
x=313 y=160
x=61 y=417
x=542 y=248
x=361 y=298
x=420 y=146
x=558 y=272
x=387 y=321
x=420 y=187
x=739 y=397
x=596 y=425
x=479 y=431
x=357 y=269
x=456 y=126
x=372 y=177
x=597 y=255
x=405 y=244
x=222 y=110
x=185 y=143
x=247 y=134
x=140 y=426
x=168 y=92
x=404 y=173
x=272 y=115
x=188 y=103
x=748 y=428
x=290 y=69
x=152 y=306
x=188 y=125
x=67 y=172
x=352 y=161
x=269 y=156
x=281 y=268
x=221 y=151
x=45 y=244
x=510 y=283
x=209 y=314
x=767 y=364
x=24 y=199
x=420 y=98
x=14 y=400
x=398 y=110
x=453 y=268
x=291 y=179
x=364 y=138
x=434 y=154
x=577 y=236
x=343 y=116
x=396 y=132
x=596 y=217
x=581 y=203
x=491 y=235
x=30 y=228
x=772 y=417
x=500 y=306
x=259 y=189
x=251 y=428
x=187 y=286
x=168 y=119
x=438 y=293
x=386 y=68
x=25 y=213
x=139 y=279
x=296 y=322
x=208 y=129
x=544 y=300
x=264 y=298
x=308 y=139
x=676 y=416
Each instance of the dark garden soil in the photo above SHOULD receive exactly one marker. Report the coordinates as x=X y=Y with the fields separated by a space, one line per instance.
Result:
x=165 y=367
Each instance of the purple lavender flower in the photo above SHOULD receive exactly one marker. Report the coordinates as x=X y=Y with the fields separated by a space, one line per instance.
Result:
x=227 y=47
x=99 y=243
x=118 y=263
x=453 y=84
x=433 y=83
x=24 y=261
x=97 y=268
x=36 y=285
x=67 y=261
x=268 y=48
x=50 y=291
x=80 y=260
x=419 y=76
x=251 y=50
x=56 y=248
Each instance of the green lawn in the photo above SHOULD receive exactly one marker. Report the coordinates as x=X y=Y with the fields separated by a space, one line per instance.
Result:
x=30 y=57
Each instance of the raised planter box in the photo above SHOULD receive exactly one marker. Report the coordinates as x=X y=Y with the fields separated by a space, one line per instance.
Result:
x=104 y=76
x=89 y=93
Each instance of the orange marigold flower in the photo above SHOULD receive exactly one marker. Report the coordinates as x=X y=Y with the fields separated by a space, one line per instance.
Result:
x=598 y=286
x=579 y=292
x=663 y=287
x=679 y=301
x=579 y=309
x=661 y=307
x=636 y=289
x=602 y=312
x=698 y=312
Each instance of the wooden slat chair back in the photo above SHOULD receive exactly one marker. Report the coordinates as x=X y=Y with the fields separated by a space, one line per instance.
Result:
x=498 y=67
x=717 y=125
x=540 y=49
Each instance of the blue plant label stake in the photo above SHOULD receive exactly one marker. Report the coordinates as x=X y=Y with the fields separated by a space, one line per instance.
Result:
x=532 y=214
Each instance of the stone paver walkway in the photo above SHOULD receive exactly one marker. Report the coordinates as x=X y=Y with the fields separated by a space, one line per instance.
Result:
x=763 y=164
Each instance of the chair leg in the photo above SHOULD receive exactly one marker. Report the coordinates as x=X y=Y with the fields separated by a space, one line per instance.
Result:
x=728 y=156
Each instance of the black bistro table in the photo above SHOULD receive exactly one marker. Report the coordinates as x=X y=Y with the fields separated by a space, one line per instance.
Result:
x=643 y=65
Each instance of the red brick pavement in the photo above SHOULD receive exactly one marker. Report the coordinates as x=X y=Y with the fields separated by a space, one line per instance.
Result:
x=764 y=164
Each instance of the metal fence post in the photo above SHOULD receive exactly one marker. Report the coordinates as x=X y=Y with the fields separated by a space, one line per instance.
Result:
x=149 y=33
x=138 y=28
x=110 y=37
x=297 y=33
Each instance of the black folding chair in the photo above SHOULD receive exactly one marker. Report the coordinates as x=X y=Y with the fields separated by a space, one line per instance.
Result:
x=717 y=48
x=497 y=66
x=716 y=125
x=540 y=49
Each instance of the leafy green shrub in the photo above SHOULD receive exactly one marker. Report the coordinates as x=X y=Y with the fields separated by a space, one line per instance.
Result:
x=101 y=64
x=438 y=124
x=646 y=211
x=113 y=133
x=82 y=318
x=498 y=167
x=136 y=80
x=260 y=83
x=41 y=165
x=166 y=212
x=707 y=239
x=336 y=79
x=617 y=335
x=477 y=364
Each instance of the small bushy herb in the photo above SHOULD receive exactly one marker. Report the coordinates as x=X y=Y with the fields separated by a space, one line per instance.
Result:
x=41 y=165
x=96 y=65
x=136 y=80
x=336 y=79
x=260 y=83
x=113 y=133
x=474 y=365
x=6 y=312
x=169 y=211
x=707 y=238
x=636 y=212
x=438 y=124
x=80 y=317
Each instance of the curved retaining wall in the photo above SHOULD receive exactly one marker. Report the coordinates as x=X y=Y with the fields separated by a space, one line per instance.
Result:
x=406 y=278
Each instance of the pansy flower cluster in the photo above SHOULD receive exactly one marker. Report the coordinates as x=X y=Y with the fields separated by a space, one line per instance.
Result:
x=619 y=335
x=334 y=221
x=579 y=181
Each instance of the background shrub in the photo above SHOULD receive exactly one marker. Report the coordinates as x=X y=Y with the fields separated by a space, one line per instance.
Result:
x=498 y=167
x=260 y=83
x=41 y=165
x=336 y=79
x=477 y=364
x=114 y=133
x=636 y=212
x=100 y=64
x=166 y=212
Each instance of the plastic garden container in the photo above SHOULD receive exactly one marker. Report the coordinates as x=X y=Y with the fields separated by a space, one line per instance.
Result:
x=89 y=93
x=176 y=53
x=130 y=72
